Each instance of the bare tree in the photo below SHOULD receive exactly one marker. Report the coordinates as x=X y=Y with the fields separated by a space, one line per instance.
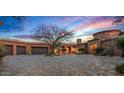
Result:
x=120 y=42
x=53 y=35
x=117 y=20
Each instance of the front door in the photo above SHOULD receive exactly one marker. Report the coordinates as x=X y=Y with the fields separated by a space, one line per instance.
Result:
x=93 y=48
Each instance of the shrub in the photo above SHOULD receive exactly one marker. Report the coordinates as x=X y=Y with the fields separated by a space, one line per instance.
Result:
x=120 y=68
x=105 y=53
x=99 y=51
x=63 y=49
x=50 y=54
x=2 y=51
x=120 y=44
x=111 y=53
x=82 y=50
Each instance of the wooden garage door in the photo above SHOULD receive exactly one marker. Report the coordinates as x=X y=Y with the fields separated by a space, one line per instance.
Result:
x=21 y=50
x=39 y=50
x=9 y=49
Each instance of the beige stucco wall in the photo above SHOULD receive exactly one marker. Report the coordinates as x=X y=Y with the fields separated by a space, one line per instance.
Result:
x=30 y=45
x=25 y=44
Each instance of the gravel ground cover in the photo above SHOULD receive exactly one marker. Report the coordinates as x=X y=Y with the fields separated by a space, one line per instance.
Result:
x=67 y=65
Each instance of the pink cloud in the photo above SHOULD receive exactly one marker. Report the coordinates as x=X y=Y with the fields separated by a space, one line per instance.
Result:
x=23 y=36
x=68 y=20
x=94 y=25
x=71 y=19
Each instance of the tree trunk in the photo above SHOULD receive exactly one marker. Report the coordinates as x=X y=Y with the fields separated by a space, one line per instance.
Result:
x=52 y=50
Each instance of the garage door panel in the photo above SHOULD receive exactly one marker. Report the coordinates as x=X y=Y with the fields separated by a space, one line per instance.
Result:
x=9 y=50
x=39 y=50
x=21 y=50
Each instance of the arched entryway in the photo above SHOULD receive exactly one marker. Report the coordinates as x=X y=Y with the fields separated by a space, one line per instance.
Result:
x=93 y=48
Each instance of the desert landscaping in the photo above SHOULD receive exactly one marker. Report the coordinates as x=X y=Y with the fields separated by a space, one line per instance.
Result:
x=66 y=65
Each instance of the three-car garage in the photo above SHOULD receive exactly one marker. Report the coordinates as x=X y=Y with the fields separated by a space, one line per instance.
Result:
x=22 y=50
x=13 y=47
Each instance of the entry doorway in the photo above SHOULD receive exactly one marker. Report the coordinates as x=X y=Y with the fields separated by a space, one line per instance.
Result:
x=93 y=48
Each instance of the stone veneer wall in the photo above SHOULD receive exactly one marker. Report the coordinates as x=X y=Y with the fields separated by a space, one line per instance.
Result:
x=107 y=34
x=92 y=42
x=111 y=45
x=106 y=39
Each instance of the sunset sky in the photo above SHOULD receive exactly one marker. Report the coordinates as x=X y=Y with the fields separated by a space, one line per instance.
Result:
x=82 y=26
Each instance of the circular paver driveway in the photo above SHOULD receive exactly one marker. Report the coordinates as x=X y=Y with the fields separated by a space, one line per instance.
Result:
x=66 y=65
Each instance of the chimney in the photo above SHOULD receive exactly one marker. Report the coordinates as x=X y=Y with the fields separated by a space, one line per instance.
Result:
x=78 y=41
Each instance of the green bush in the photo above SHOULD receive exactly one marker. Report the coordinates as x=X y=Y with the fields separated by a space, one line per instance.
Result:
x=50 y=54
x=99 y=51
x=82 y=51
x=63 y=49
x=2 y=51
x=120 y=44
x=120 y=68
